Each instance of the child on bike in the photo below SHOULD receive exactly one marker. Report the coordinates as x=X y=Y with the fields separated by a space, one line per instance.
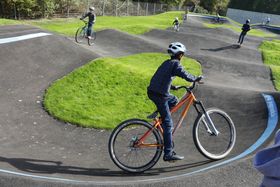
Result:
x=158 y=92
x=176 y=24
x=245 y=28
x=91 y=20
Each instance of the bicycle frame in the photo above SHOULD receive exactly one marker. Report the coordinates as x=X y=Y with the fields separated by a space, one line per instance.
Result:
x=188 y=99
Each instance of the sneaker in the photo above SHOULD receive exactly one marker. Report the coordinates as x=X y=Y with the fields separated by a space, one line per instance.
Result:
x=89 y=37
x=172 y=157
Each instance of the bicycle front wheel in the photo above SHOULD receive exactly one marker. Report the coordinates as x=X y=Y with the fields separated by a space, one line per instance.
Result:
x=129 y=155
x=213 y=146
x=93 y=37
x=80 y=34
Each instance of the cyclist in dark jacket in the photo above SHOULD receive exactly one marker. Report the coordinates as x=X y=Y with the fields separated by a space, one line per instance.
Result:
x=176 y=24
x=91 y=20
x=245 y=28
x=158 y=92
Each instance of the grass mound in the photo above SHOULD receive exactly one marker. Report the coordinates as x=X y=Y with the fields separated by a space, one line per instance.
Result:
x=271 y=56
x=107 y=91
x=129 y=24
x=9 y=22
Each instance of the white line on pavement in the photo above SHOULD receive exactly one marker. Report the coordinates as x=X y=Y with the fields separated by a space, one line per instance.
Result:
x=23 y=37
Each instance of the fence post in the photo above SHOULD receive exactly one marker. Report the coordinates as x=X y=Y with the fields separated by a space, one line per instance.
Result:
x=15 y=11
x=103 y=8
x=160 y=7
x=138 y=6
x=147 y=7
x=154 y=8
x=116 y=11
x=127 y=4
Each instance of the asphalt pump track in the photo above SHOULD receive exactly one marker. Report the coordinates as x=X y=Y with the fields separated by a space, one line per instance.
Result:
x=38 y=150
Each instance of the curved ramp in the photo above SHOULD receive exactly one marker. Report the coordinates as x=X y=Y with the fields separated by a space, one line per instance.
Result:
x=39 y=150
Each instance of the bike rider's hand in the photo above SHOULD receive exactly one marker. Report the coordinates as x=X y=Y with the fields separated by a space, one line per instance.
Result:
x=174 y=87
x=199 y=78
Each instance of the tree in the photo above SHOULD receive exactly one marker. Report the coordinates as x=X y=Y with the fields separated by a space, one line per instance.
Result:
x=268 y=6
x=23 y=8
x=221 y=6
x=46 y=7
x=214 y=6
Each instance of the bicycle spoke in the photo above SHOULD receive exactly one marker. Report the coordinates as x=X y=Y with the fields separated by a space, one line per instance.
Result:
x=211 y=145
x=131 y=156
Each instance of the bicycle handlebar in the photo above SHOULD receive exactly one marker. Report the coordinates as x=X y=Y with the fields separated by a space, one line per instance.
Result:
x=190 y=88
x=84 y=21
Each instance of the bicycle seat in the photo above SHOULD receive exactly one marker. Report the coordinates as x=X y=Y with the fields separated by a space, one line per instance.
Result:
x=153 y=115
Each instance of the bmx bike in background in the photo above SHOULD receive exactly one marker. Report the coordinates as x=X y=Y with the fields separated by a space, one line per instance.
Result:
x=81 y=34
x=218 y=20
x=136 y=145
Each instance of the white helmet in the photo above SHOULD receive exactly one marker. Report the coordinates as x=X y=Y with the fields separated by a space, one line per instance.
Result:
x=91 y=8
x=176 y=18
x=175 y=48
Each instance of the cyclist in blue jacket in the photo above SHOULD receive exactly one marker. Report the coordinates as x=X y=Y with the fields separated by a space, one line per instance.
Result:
x=91 y=20
x=158 y=92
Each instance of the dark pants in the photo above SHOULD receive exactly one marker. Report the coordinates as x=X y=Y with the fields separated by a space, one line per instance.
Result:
x=89 y=30
x=164 y=104
x=241 y=37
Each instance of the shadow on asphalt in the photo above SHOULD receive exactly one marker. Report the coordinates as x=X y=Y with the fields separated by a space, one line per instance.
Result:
x=52 y=167
x=173 y=168
x=234 y=46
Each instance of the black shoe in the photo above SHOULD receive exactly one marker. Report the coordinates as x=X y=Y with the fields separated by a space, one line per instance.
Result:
x=172 y=157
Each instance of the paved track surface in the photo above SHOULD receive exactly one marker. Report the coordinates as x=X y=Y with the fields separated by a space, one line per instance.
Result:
x=33 y=143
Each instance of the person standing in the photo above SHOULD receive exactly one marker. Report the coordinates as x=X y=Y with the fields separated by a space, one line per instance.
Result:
x=267 y=21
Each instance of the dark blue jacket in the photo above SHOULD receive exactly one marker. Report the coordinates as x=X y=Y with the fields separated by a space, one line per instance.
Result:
x=175 y=22
x=246 y=27
x=161 y=80
x=91 y=17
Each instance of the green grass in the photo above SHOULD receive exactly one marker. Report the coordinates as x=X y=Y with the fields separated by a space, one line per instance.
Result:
x=252 y=32
x=129 y=24
x=9 y=22
x=107 y=91
x=271 y=56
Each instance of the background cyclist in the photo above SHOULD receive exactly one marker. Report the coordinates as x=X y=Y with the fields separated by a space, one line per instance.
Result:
x=158 y=92
x=91 y=20
x=176 y=24
x=245 y=28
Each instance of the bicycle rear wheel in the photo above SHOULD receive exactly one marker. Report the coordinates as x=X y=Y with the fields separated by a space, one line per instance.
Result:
x=126 y=154
x=80 y=34
x=213 y=146
x=93 y=37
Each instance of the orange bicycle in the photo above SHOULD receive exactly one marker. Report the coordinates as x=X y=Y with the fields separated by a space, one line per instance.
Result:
x=135 y=145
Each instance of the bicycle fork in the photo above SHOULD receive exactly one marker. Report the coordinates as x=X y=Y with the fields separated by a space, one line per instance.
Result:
x=207 y=121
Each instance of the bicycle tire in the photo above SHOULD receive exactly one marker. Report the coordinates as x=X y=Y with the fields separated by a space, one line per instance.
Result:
x=93 y=37
x=123 y=137
x=212 y=146
x=80 y=34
